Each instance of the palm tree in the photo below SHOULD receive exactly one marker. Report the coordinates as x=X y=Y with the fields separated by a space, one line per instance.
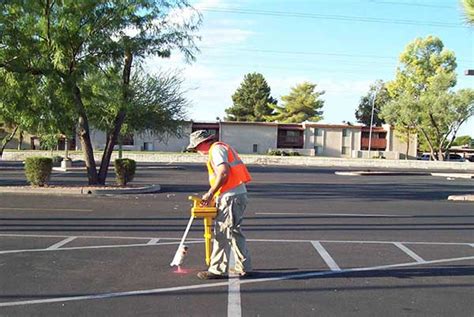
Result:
x=468 y=10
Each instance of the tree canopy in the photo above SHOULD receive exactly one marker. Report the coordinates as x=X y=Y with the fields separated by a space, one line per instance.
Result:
x=64 y=42
x=422 y=95
x=364 y=111
x=302 y=104
x=468 y=6
x=251 y=100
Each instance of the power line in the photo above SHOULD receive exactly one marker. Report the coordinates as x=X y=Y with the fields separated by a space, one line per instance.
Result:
x=317 y=53
x=306 y=53
x=332 y=17
x=414 y=4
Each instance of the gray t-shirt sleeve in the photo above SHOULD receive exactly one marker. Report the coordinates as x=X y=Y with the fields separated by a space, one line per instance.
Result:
x=219 y=155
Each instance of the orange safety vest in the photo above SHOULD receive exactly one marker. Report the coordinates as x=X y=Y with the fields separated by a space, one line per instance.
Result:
x=238 y=172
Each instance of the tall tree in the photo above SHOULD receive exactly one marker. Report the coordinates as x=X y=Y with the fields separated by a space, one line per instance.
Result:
x=302 y=104
x=423 y=98
x=251 y=100
x=157 y=104
x=463 y=140
x=364 y=111
x=468 y=6
x=66 y=40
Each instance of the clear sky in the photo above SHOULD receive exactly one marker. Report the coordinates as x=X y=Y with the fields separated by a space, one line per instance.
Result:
x=343 y=46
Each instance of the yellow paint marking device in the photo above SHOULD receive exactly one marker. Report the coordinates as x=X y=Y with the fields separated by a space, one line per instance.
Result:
x=208 y=213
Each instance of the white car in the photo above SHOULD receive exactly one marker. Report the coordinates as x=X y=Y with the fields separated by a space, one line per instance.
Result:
x=455 y=158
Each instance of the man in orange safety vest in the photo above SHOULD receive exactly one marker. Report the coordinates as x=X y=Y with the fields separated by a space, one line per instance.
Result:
x=227 y=178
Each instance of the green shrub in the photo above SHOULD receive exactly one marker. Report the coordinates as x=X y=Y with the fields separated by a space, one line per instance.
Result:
x=294 y=154
x=124 y=171
x=57 y=159
x=274 y=152
x=38 y=170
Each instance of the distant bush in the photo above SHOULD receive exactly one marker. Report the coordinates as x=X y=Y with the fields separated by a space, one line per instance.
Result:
x=38 y=170
x=274 y=152
x=57 y=159
x=124 y=171
x=282 y=153
x=294 y=154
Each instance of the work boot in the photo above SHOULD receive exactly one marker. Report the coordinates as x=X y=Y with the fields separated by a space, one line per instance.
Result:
x=206 y=275
x=240 y=273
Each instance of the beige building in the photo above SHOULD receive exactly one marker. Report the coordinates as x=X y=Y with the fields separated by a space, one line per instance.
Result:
x=307 y=138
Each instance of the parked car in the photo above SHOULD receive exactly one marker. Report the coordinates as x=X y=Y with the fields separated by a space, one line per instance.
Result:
x=453 y=157
x=470 y=158
x=424 y=157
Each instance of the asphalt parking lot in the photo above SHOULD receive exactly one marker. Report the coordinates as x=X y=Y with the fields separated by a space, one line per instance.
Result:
x=322 y=245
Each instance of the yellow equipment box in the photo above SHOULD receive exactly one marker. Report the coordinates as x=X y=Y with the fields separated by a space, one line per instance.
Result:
x=208 y=213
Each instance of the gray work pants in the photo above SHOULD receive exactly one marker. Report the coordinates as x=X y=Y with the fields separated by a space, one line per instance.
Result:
x=228 y=236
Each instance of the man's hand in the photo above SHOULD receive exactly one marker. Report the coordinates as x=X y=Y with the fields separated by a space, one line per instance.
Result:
x=206 y=199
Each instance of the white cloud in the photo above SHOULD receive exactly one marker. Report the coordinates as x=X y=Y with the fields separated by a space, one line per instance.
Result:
x=225 y=36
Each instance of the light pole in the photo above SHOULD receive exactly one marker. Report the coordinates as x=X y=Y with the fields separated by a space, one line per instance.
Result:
x=377 y=88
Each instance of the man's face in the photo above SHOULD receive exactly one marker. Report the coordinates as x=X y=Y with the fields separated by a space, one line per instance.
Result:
x=203 y=148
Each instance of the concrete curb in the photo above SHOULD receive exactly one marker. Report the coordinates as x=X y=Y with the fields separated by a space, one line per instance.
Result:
x=79 y=191
x=318 y=161
x=454 y=175
x=365 y=173
x=461 y=198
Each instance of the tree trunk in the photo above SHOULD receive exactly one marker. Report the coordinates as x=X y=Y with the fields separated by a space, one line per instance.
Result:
x=84 y=136
x=119 y=119
x=408 y=145
x=20 y=140
x=440 y=155
x=109 y=147
x=6 y=140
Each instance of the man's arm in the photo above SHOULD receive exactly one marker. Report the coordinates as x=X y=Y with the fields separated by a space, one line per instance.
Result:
x=222 y=173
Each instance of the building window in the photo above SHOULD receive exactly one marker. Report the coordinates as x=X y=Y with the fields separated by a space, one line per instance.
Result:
x=345 y=132
x=318 y=132
x=318 y=150
x=127 y=139
x=148 y=146
x=255 y=148
x=345 y=150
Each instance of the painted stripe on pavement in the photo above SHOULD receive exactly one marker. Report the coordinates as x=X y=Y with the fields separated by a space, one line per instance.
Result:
x=96 y=247
x=326 y=256
x=220 y=284
x=326 y=214
x=153 y=241
x=43 y=209
x=60 y=243
x=234 y=308
x=409 y=252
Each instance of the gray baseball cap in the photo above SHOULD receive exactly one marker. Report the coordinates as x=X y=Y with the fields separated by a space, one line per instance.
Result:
x=197 y=137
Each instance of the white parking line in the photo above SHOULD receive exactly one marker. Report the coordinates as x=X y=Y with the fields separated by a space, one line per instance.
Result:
x=234 y=308
x=43 y=209
x=60 y=243
x=91 y=237
x=326 y=214
x=220 y=284
x=97 y=247
x=409 y=252
x=153 y=241
x=326 y=256
x=254 y=240
x=361 y=241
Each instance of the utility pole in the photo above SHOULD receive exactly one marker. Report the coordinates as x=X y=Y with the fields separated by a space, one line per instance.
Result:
x=377 y=88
